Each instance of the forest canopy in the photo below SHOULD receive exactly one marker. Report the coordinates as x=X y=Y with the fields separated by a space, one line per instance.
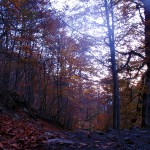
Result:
x=83 y=64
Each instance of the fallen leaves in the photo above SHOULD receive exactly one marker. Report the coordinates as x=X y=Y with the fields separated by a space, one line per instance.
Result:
x=26 y=133
x=1 y=146
x=20 y=134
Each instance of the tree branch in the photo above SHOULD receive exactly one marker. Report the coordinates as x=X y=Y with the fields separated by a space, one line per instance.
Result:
x=129 y=57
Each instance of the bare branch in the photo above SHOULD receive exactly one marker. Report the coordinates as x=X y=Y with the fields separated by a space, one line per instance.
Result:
x=129 y=57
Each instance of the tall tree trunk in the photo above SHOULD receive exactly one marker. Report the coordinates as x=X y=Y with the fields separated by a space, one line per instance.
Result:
x=146 y=95
x=116 y=99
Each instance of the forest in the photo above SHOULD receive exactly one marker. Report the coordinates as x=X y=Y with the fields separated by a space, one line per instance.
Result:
x=80 y=64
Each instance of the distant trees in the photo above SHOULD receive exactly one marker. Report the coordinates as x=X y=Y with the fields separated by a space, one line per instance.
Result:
x=125 y=34
x=48 y=68
x=114 y=32
x=53 y=67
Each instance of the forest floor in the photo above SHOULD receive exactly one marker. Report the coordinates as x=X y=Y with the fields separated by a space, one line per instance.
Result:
x=20 y=132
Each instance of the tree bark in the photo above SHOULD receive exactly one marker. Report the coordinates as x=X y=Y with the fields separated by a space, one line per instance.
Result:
x=146 y=95
x=116 y=98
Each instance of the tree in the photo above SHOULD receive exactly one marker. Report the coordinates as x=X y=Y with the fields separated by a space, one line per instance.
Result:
x=145 y=83
x=129 y=65
x=116 y=99
x=146 y=95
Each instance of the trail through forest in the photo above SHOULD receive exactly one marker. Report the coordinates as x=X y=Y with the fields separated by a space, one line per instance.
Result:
x=85 y=65
x=19 y=131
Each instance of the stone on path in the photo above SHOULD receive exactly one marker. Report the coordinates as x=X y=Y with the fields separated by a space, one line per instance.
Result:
x=59 y=141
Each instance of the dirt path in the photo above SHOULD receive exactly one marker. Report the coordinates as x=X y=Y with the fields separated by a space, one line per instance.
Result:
x=135 y=139
x=19 y=132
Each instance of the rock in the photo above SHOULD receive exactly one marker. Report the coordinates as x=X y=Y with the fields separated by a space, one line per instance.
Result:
x=84 y=131
x=105 y=146
x=59 y=141
x=100 y=132
x=112 y=136
x=16 y=116
x=1 y=109
x=49 y=134
x=125 y=130
x=128 y=140
x=118 y=145
x=135 y=128
x=111 y=130
x=137 y=135
x=72 y=136
x=98 y=141
x=10 y=99
x=148 y=142
x=25 y=110
x=144 y=132
x=89 y=135
x=83 y=144
x=110 y=143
